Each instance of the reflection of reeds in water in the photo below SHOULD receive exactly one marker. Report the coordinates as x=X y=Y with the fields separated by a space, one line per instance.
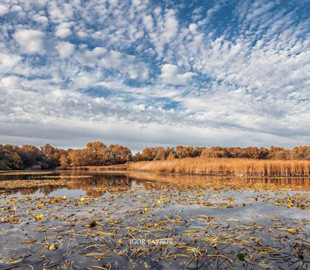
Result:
x=95 y=184
x=220 y=183
x=226 y=167
x=120 y=167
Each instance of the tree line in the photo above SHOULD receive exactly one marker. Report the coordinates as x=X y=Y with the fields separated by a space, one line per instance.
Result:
x=273 y=153
x=13 y=157
x=49 y=157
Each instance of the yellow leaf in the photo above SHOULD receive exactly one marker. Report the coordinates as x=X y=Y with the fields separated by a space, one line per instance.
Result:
x=51 y=201
x=291 y=231
x=40 y=205
x=40 y=216
x=12 y=261
x=106 y=233
x=51 y=247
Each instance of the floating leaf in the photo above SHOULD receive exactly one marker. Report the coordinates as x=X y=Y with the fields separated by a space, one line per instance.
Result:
x=52 y=247
x=291 y=231
x=39 y=216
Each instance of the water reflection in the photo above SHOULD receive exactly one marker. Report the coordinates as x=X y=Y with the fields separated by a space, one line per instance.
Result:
x=95 y=184
x=224 y=183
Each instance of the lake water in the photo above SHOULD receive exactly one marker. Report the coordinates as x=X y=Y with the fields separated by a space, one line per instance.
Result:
x=79 y=219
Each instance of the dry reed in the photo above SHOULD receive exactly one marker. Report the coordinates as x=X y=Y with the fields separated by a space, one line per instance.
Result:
x=225 y=167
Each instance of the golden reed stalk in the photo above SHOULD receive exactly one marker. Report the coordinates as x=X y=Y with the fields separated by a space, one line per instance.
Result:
x=225 y=167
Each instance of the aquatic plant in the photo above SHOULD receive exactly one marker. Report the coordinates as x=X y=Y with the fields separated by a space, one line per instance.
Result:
x=225 y=167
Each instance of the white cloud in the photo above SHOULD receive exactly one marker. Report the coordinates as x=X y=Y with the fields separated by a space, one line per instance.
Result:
x=3 y=9
x=65 y=49
x=193 y=28
x=63 y=30
x=17 y=8
x=9 y=82
x=171 y=74
x=41 y=19
x=148 y=21
x=143 y=67
x=30 y=41
x=167 y=28
x=59 y=11
x=111 y=59
x=8 y=61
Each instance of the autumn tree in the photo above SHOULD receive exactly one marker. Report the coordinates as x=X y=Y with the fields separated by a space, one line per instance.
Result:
x=300 y=152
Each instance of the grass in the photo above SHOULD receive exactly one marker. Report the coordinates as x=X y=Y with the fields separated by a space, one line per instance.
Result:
x=225 y=167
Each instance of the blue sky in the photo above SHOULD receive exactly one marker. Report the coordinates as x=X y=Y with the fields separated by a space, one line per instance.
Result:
x=148 y=73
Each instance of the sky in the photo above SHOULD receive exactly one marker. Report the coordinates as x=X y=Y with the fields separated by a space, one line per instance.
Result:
x=148 y=73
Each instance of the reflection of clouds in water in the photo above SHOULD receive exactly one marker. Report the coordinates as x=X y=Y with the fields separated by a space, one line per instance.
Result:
x=256 y=211
x=67 y=192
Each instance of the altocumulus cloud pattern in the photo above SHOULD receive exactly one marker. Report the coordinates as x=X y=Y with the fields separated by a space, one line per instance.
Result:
x=155 y=72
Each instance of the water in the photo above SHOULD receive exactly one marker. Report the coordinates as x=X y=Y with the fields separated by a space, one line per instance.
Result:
x=94 y=219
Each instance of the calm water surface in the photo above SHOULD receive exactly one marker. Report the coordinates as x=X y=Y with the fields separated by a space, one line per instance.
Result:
x=212 y=223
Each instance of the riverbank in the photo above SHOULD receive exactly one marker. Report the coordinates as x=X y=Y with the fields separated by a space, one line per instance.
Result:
x=228 y=167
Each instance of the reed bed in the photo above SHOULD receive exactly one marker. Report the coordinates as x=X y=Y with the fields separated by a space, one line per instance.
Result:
x=226 y=167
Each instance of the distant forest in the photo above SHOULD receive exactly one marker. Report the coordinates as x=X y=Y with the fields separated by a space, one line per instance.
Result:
x=46 y=157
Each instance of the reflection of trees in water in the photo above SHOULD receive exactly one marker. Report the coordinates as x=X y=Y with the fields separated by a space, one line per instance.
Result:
x=20 y=176
x=48 y=189
x=99 y=180
x=89 y=184
x=27 y=191
x=31 y=190
x=95 y=192
x=96 y=184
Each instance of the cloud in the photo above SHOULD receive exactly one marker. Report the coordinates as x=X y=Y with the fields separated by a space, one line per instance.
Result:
x=111 y=59
x=3 y=9
x=7 y=62
x=152 y=69
x=41 y=19
x=63 y=30
x=60 y=12
x=30 y=41
x=171 y=74
x=65 y=49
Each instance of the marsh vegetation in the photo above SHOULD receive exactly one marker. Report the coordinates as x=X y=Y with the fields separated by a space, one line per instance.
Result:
x=225 y=167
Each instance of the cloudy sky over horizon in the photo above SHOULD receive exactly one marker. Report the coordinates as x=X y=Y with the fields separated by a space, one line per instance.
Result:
x=147 y=73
